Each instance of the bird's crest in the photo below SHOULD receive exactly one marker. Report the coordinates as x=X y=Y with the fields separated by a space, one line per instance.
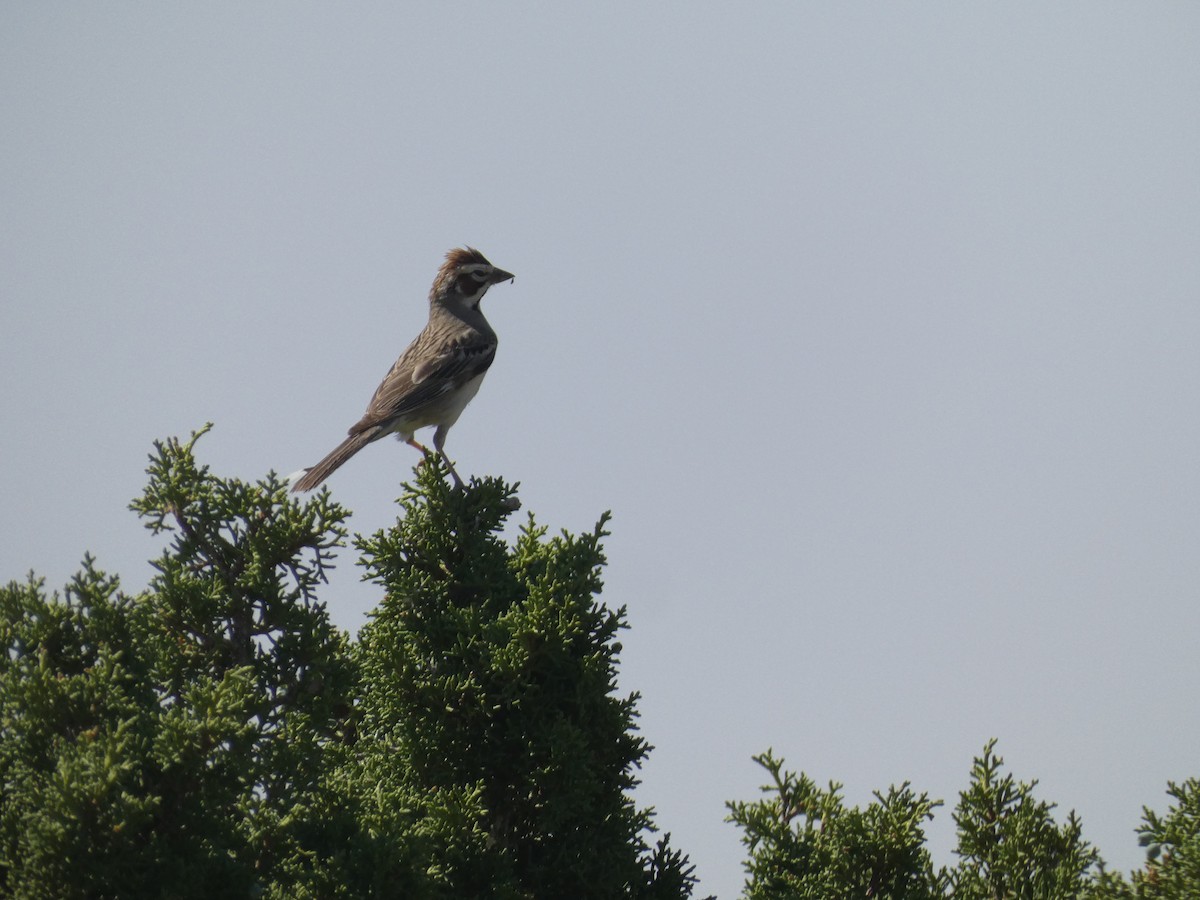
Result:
x=463 y=256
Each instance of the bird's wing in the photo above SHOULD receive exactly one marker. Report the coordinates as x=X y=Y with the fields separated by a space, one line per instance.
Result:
x=423 y=374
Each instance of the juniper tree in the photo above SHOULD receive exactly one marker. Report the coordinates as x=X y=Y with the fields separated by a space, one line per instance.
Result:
x=1009 y=843
x=1172 y=842
x=168 y=743
x=216 y=735
x=804 y=842
x=491 y=669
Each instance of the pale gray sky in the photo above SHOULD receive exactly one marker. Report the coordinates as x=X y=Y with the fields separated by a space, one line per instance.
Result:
x=876 y=326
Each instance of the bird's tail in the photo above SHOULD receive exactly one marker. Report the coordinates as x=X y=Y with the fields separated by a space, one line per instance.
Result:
x=342 y=452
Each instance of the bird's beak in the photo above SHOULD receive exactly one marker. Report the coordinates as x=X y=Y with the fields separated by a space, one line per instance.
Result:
x=499 y=275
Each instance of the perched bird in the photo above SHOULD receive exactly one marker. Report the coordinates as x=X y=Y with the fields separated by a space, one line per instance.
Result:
x=436 y=377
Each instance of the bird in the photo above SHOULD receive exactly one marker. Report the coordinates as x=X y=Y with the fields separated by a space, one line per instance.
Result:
x=437 y=376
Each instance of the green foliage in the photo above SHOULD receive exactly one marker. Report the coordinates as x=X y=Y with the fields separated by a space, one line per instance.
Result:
x=805 y=843
x=492 y=671
x=215 y=735
x=1009 y=843
x=1173 y=844
x=166 y=744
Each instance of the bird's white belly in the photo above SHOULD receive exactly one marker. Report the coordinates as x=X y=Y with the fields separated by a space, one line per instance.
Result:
x=444 y=411
x=459 y=401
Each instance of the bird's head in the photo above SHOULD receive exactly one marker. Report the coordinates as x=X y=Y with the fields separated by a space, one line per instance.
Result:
x=464 y=278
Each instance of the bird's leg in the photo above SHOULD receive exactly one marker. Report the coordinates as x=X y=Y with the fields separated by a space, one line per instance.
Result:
x=413 y=442
x=439 y=438
x=449 y=465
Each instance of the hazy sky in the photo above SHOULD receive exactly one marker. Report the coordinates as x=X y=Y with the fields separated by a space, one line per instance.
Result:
x=876 y=326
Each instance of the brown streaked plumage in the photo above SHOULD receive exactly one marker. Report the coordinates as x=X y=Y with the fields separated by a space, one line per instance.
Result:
x=436 y=377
